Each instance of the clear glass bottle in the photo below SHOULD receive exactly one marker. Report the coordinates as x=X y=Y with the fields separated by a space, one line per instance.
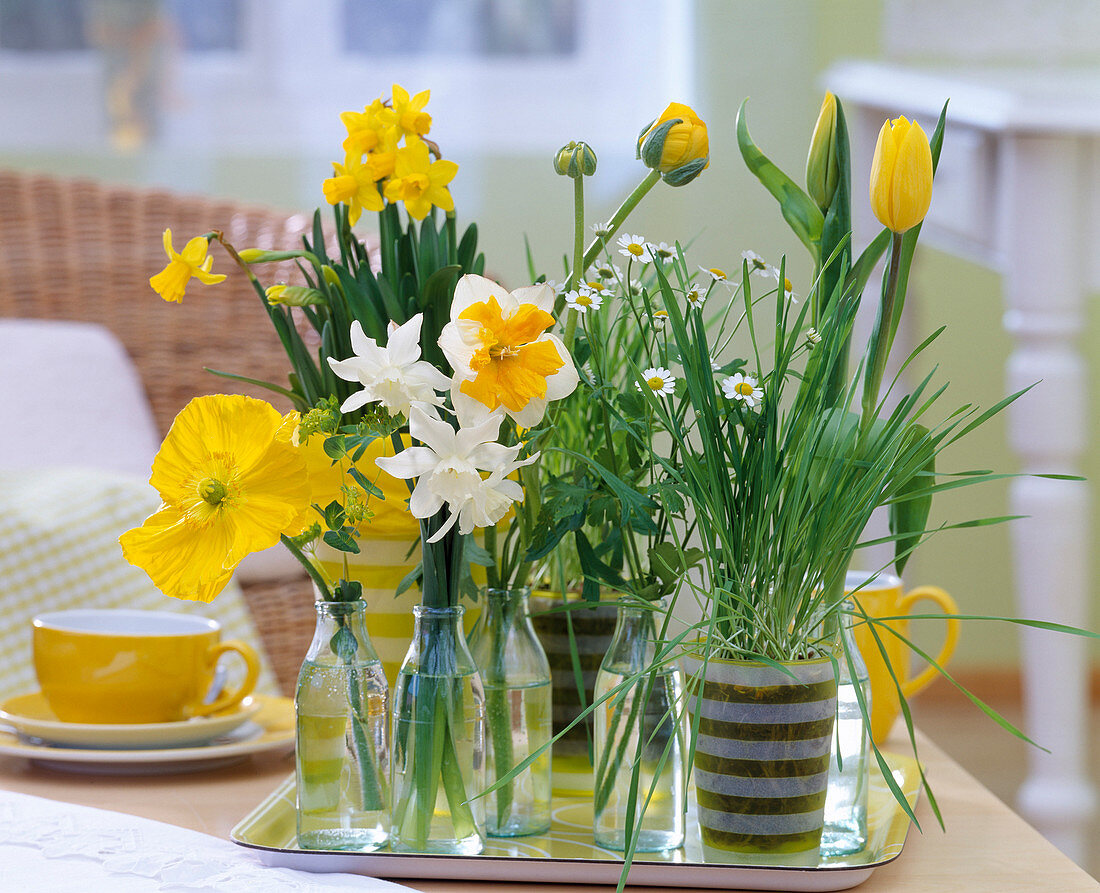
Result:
x=438 y=761
x=845 y=829
x=516 y=675
x=341 y=726
x=640 y=720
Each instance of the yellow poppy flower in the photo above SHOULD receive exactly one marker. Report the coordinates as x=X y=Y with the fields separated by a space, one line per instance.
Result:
x=229 y=487
x=353 y=184
x=409 y=114
x=170 y=282
x=420 y=182
x=502 y=355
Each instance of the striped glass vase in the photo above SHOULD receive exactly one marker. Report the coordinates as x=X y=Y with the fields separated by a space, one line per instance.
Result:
x=761 y=759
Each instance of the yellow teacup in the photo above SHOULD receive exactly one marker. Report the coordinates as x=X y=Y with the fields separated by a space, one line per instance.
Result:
x=118 y=666
x=884 y=596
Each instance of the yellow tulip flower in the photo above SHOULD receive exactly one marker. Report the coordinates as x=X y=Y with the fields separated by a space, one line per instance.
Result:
x=676 y=145
x=901 y=175
x=171 y=282
x=229 y=487
x=822 y=167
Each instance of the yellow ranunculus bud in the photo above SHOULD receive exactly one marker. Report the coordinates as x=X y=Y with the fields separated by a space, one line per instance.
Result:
x=575 y=160
x=822 y=169
x=675 y=144
x=901 y=175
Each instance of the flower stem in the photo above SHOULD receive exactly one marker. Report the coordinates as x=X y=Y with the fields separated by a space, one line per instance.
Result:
x=628 y=205
x=882 y=337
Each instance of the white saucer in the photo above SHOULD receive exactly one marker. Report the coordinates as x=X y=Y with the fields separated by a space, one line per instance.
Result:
x=270 y=729
x=32 y=717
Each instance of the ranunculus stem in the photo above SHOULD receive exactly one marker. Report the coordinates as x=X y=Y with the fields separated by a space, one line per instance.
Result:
x=628 y=205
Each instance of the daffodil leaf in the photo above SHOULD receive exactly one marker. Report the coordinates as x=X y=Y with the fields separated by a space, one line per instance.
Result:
x=798 y=209
x=439 y=289
x=467 y=249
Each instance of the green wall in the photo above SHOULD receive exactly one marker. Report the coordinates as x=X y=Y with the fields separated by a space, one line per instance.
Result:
x=774 y=52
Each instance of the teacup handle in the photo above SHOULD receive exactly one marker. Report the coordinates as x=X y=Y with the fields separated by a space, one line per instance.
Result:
x=950 y=640
x=252 y=673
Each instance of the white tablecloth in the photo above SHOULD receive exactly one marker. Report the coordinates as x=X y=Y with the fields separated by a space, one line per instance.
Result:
x=47 y=846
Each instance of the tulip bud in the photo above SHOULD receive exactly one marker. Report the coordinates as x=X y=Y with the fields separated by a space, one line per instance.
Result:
x=675 y=145
x=575 y=160
x=901 y=175
x=822 y=170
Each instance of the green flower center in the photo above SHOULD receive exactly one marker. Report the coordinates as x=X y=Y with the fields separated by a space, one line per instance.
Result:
x=213 y=491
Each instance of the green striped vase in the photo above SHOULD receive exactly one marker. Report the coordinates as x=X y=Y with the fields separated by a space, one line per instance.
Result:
x=761 y=763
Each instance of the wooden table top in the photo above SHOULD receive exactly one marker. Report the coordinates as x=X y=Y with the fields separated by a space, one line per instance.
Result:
x=986 y=846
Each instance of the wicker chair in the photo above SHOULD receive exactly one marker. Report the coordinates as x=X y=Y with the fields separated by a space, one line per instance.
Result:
x=79 y=250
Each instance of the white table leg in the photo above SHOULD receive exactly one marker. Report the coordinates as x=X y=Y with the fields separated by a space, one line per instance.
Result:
x=1044 y=293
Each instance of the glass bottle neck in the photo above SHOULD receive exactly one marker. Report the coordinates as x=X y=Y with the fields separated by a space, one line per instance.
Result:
x=341 y=633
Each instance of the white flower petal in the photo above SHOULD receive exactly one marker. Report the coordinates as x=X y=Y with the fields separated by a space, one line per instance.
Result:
x=541 y=295
x=423 y=503
x=467 y=439
x=435 y=433
x=409 y=463
x=472 y=289
x=404 y=344
x=532 y=413
x=447 y=525
x=356 y=401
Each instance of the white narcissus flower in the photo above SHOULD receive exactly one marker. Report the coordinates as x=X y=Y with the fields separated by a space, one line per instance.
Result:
x=448 y=470
x=743 y=388
x=393 y=375
x=503 y=356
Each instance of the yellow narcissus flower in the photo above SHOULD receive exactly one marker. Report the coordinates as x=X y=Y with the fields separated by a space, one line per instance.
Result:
x=901 y=175
x=229 y=487
x=171 y=282
x=408 y=114
x=420 y=182
x=503 y=356
x=676 y=145
x=365 y=128
x=353 y=184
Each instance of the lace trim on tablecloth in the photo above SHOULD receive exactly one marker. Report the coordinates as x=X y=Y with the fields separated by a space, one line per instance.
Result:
x=177 y=859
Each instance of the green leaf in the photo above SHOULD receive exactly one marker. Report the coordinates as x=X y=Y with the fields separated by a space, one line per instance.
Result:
x=802 y=215
x=334 y=516
x=335 y=446
x=909 y=515
x=595 y=571
x=341 y=540
x=368 y=486
x=439 y=288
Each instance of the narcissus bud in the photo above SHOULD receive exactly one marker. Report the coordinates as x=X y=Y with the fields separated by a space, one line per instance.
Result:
x=293 y=295
x=822 y=169
x=576 y=159
x=901 y=175
x=675 y=145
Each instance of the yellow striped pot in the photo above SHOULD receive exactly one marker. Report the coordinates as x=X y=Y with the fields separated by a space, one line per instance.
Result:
x=761 y=762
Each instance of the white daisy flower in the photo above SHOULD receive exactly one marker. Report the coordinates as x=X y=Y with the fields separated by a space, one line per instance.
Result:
x=715 y=273
x=743 y=388
x=660 y=318
x=583 y=299
x=634 y=247
x=658 y=379
x=715 y=366
x=813 y=337
x=601 y=229
x=758 y=265
x=695 y=296
x=786 y=286
x=608 y=272
x=662 y=250
x=559 y=287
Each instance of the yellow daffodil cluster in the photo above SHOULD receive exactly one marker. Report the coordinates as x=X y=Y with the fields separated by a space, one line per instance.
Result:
x=386 y=158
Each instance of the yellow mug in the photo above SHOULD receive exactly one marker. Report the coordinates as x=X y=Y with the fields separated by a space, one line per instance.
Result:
x=884 y=596
x=121 y=666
